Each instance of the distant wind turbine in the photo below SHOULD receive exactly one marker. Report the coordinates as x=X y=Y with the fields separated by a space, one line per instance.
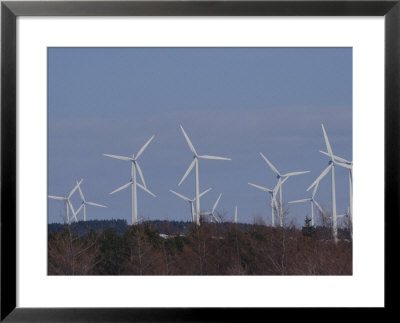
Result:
x=349 y=165
x=84 y=203
x=194 y=163
x=281 y=178
x=133 y=182
x=67 y=202
x=191 y=201
x=331 y=167
x=213 y=210
x=313 y=202
x=272 y=193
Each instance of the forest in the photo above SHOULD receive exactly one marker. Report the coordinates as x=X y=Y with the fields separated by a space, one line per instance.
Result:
x=111 y=247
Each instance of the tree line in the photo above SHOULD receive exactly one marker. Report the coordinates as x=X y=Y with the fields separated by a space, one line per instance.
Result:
x=209 y=249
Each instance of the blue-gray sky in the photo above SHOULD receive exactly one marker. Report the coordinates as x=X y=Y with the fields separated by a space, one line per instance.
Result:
x=232 y=102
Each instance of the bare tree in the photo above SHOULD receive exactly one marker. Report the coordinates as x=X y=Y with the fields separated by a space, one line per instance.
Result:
x=70 y=255
x=141 y=253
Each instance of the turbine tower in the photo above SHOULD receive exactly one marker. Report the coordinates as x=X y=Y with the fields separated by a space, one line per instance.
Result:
x=313 y=202
x=331 y=167
x=281 y=179
x=67 y=202
x=213 y=210
x=133 y=182
x=84 y=203
x=236 y=215
x=194 y=163
x=191 y=201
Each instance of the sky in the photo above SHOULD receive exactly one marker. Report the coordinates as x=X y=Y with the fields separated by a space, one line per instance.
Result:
x=232 y=102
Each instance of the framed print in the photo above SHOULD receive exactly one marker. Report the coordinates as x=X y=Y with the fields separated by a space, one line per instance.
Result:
x=179 y=155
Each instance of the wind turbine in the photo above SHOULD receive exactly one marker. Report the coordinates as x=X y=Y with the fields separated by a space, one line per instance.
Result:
x=313 y=202
x=331 y=167
x=213 y=209
x=281 y=179
x=67 y=202
x=349 y=165
x=191 y=201
x=133 y=182
x=84 y=203
x=194 y=163
x=274 y=203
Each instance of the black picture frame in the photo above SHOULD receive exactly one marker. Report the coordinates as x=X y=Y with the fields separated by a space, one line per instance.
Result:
x=10 y=10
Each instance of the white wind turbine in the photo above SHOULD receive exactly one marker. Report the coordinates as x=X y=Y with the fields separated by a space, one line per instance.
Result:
x=281 y=179
x=133 y=182
x=213 y=210
x=331 y=167
x=194 y=163
x=84 y=202
x=67 y=202
x=313 y=202
x=191 y=201
x=349 y=165
x=272 y=193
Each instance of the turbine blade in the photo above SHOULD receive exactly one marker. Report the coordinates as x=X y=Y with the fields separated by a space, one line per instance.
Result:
x=205 y=192
x=339 y=159
x=75 y=188
x=121 y=188
x=300 y=201
x=119 y=157
x=324 y=152
x=145 y=189
x=344 y=165
x=319 y=206
x=278 y=185
x=296 y=173
x=213 y=157
x=140 y=173
x=261 y=188
x=216 y=203
x=270 y=165
x=71 y=207
x=321 y=176
x=57 y=197
x=80 y=208
x=95 y=204
x=81 y=194
x=75 y=217
x=141 y=150
x=281 y=181
x=189 y=142
x=328 y=145
x=188 y=171
x=315 y=190
x=181 y=196
x=216 y=220
x=276 y=203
